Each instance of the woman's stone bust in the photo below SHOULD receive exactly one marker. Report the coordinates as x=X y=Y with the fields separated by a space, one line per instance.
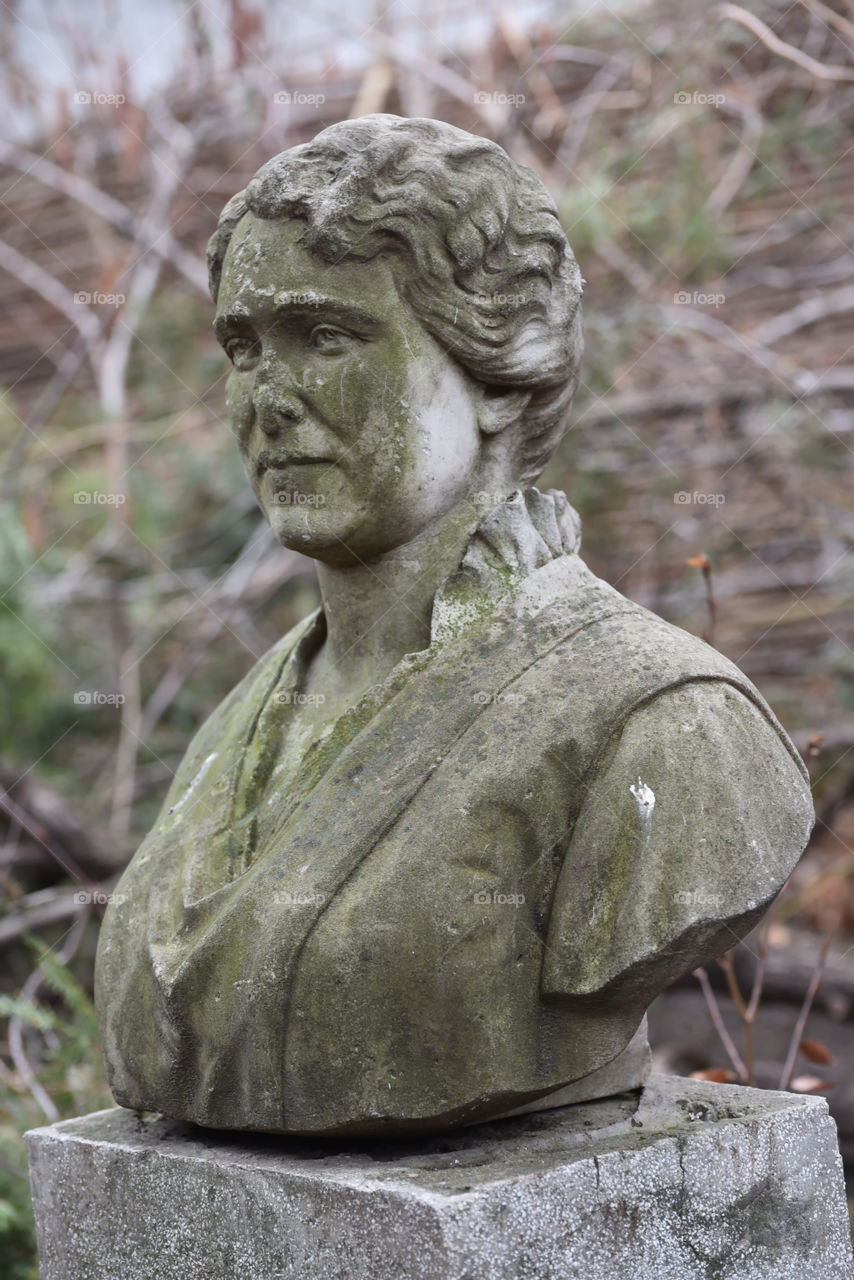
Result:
x=432 y=859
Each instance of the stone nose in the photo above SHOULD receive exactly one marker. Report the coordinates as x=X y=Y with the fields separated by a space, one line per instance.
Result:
x=275 y=416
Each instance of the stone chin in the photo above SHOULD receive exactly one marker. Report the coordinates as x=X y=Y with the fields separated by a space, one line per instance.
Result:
x=307 y=513
x=308 y=531
x=331 y=541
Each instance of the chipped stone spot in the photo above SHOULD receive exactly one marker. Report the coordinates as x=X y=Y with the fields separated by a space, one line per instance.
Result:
x=644 y=798
x=195 y=782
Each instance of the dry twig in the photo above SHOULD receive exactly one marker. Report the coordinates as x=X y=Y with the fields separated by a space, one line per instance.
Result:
x=830 y=17
x=718 y=1023
x=778 y=46
x=798 y=1032
x=16 y=1027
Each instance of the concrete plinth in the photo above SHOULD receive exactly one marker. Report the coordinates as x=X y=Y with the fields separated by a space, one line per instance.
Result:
x=690 y=1182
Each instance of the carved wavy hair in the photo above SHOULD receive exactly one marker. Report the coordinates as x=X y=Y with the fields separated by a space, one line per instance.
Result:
x=488 y=269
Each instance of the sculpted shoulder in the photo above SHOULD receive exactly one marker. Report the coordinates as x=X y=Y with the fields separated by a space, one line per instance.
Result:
x=229 y=720
x=695 y=812
x=614 y=655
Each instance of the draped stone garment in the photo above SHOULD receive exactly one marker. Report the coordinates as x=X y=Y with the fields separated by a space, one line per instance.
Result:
x=479 y=878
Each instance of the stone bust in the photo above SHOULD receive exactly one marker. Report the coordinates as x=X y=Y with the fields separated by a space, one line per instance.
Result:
x=431 y=860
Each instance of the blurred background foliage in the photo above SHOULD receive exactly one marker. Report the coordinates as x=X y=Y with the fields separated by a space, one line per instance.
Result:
x=702 y=160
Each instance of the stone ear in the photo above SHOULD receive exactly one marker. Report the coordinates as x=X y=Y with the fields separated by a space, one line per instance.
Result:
x=498 y=409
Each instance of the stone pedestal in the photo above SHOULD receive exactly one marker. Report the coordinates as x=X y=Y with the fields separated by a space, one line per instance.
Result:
x=685 y=1181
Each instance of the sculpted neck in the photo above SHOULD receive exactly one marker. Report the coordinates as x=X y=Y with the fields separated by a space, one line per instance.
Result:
x=379 y=611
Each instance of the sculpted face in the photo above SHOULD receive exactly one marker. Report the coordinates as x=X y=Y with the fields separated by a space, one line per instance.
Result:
x=356 y=429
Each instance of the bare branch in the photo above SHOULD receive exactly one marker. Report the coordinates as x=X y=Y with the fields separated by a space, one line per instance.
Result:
x=804 y=314
x=36 y=910
x=798 y=1032
x=741 y=163
x=718 y=1023
x=830 y=17
x=16 y=1030
x=778 y=46
x=35 y=829
x=57 y=296
x=749 y=346
x=86 y=193
x=584 y=109
x=453 y=84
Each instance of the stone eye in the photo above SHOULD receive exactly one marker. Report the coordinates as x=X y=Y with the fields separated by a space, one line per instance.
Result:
x=325 y=337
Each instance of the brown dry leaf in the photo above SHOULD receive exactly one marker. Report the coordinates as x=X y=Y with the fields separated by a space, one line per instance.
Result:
x=779 y=936
x=816 y=1052
x=810 y=1084
x=718 y=1075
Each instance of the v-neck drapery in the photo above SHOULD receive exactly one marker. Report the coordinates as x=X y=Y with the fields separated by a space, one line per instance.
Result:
x=440 y=866
x=519 y=535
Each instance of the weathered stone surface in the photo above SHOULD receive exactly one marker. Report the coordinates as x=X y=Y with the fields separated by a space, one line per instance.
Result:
x=694 y=1182
x=434 y=856
x=623 y=1074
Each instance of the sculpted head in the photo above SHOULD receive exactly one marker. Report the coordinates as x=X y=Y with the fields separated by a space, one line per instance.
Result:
x=402 y=312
